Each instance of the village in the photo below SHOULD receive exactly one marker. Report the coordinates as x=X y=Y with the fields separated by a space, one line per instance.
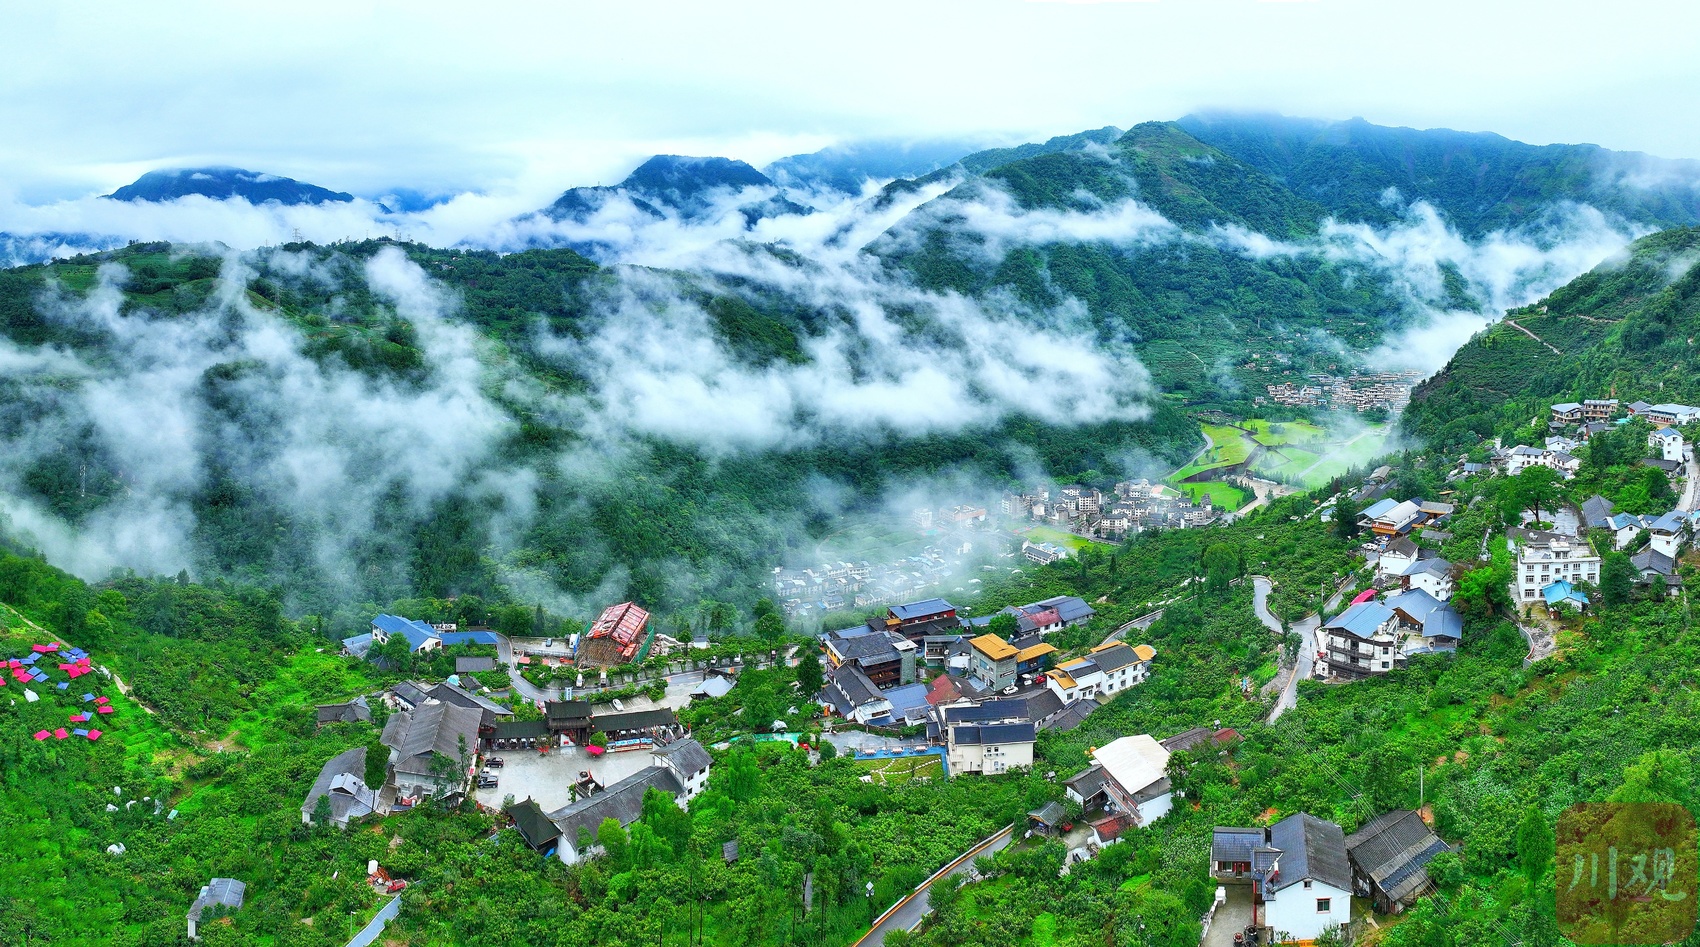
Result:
x=929 y=690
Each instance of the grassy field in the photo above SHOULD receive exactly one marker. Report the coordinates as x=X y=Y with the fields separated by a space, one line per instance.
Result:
x=1224 y=496
x=1309 y=456
x=1227 y=447
x=1276 y=433
x=1069 y=541
x=903 y=769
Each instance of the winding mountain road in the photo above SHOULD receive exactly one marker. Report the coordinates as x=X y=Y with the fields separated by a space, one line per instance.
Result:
x=908 y=913
x=1306 y=627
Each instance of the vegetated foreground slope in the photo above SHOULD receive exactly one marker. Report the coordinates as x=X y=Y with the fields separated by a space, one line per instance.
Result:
x=1628 y=325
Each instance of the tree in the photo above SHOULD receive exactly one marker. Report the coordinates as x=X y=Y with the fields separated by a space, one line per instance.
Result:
x=1345 y=520
x=1480 y=591
x=809 y=676
x=770 y=627
x=1617 y=578
x=1536 y=489
x=1446 y=870
x=1004 y=625
x=1534 y=843
x=615 y=843
x=1221 y=567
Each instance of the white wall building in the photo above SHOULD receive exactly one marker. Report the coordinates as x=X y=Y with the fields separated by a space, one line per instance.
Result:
x=1544 y=558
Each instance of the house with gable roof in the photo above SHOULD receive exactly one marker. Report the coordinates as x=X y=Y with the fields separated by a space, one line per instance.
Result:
x=1390 y=857
x=1298 y=868
x=1128 y=776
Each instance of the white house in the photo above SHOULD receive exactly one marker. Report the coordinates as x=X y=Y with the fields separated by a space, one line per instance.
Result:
x=1521 y=457
x=1668 y=442
x=1544 y=558
x=1625 y=527
x=1299 y=870
x=1128 y=776
x=689 y=763
x=1433 y=576
x=1667 y=533
x=1666 y=415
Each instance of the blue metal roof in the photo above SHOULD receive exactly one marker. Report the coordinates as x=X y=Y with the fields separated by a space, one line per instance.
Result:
x=921 y=609
x=1561 y=591
x=1362 y=619
x=468 y=637
x=1381 y=507
x=416 y=632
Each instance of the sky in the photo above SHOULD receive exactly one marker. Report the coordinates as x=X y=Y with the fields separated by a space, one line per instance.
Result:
x=527 y=102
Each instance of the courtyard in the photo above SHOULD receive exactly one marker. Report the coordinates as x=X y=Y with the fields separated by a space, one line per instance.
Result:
x=549 y=779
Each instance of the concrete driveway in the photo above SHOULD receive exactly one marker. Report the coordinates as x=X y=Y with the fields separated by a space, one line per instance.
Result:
x=549 y=779
x=1230 y=918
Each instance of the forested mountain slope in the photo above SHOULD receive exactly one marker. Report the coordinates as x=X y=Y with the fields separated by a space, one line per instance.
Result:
x=1627 y=326
x=1481 y=181
x=220 y=183
x=370 y=422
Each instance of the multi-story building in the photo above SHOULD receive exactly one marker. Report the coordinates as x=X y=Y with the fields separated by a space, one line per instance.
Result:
x=990 y=737
x=992 y=662
x=1545 y=557
x=1362 y=640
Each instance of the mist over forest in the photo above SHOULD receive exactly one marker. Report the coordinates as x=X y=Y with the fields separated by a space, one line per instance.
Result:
x=665 y=388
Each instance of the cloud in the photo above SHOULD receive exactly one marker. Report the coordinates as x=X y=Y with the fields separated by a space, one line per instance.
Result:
x=229 y=392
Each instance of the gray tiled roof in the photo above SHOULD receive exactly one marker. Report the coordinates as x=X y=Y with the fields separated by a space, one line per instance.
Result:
x=1229 y=844
x=623 y=802
x=222 y=891
x=1393 y=850
x=1114 y=659
x=687 y=756
x=1310 y=848
x=343 y=780
x=432 y=727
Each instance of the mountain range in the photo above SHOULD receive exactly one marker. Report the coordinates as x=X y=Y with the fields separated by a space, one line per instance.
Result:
x=220 y=183
x=1050 y=310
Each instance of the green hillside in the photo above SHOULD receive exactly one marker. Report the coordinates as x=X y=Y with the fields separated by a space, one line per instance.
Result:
x=1627 y=326
x=1480 y=181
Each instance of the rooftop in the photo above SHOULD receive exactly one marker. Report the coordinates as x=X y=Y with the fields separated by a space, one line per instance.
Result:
x=993 y=647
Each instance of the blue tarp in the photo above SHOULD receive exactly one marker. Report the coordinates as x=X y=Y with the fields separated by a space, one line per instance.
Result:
x=62 y=685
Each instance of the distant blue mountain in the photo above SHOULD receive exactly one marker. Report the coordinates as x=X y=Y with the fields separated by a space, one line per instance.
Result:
x=222 y=183
x=848 y=167
x=690 y=187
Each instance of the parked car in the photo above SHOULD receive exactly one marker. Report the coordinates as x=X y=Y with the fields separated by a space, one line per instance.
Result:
x=487 y=782
x=494 y=762
x=1010 y=689
x=395 y=886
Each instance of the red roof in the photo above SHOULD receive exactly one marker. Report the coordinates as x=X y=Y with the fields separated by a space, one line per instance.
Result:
x=1047 y=617
x=624 y=623
x=943 y=690
x=1108 y=829
x=1364 y=596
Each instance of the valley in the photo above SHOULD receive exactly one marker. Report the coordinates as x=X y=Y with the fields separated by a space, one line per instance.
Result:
x=708 y=558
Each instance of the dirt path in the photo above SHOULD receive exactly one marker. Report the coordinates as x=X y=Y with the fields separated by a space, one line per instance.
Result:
x=1513 y=324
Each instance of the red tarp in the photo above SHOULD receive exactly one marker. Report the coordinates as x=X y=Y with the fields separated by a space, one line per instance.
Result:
x=60 y=734
x=94 y=734
x=39 y=649
x=105 y=709
x=100 y=700
x=79 y=718
x=42 y=734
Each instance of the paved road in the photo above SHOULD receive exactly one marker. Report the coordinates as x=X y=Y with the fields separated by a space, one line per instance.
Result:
x=1142 y=622
x=1691 y=493
x=372 y=931
x=1306 y=627
x=908 y=913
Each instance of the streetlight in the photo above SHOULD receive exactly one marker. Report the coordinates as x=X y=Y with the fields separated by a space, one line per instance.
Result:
x=870 y=890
